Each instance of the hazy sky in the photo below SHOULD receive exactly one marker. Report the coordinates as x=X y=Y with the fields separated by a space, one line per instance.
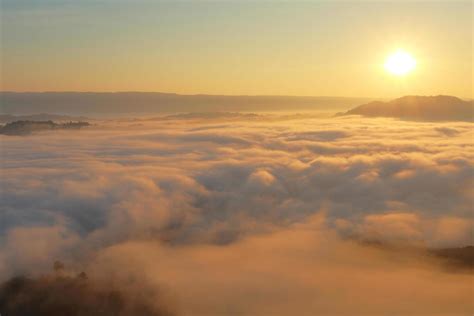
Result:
x=240 y=47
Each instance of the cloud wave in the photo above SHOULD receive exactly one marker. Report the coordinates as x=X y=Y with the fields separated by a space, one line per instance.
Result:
x=265 y=202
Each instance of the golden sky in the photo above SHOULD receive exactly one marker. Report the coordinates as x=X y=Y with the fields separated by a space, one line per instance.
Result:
x=290 y=48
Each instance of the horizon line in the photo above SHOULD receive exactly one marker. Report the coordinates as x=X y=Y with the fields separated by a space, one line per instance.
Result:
x=186 y=94
x=225 y=95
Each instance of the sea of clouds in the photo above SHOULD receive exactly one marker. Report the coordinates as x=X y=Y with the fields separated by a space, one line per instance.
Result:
x=244 y=214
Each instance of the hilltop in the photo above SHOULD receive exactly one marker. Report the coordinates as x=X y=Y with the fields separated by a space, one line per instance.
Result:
x=28 y=127
x=419 y=108
x=8 y=118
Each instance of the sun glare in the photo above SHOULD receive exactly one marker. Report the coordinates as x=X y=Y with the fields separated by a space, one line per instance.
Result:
x=400 y=63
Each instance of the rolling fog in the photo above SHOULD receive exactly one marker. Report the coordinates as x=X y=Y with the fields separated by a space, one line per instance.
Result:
x=246 y=214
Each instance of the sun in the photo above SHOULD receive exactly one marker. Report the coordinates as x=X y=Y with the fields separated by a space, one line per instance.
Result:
x=400 y=63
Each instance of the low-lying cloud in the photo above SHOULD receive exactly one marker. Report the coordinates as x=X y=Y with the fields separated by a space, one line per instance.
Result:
x=248 y=215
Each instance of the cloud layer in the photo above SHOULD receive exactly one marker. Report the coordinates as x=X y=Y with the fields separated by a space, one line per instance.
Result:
x=236 y=213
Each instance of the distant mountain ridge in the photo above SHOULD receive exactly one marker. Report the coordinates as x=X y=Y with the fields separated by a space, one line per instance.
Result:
x=420 y=108
x=90 y=103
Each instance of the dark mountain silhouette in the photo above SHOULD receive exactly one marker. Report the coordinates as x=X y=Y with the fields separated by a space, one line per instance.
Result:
x=419 y=108
x=7 y=118
x=462 y=257
x=453 y=258
x=28 y=127
x=60 y=294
